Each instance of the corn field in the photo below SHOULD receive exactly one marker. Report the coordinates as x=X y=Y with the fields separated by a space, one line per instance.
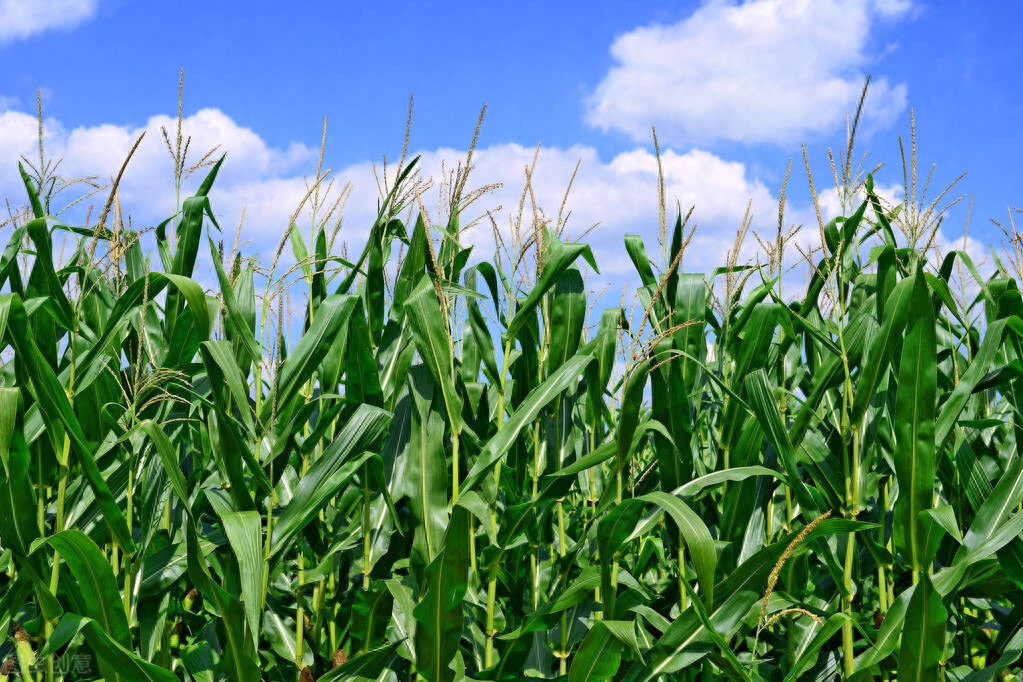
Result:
x=464 y=470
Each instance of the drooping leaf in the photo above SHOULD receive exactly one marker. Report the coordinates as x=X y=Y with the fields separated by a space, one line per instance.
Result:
x=334 y=468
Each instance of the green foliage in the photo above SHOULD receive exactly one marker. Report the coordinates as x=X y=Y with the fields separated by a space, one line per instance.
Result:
x=443 y=481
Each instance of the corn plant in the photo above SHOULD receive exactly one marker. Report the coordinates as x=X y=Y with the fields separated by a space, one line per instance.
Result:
x=462 y=471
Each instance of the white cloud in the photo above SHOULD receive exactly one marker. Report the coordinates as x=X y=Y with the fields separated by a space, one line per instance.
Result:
x=893 y=8
x=267 y=178
x=619 y=193
x=24 y=18
x=760 y=71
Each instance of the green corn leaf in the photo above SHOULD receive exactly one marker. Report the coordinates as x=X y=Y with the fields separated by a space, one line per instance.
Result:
x=434 y=345
x=280 y=632
x=147 y=289
x=117 y=661
x=9 y=397
x=373 y=285
x=481 y=332
x=558 y=257
x=189 y=234
x=100 y=595
x=1011 y=650
x=239 y=659
x=829 y=373
x=697 y=538
x=568 y=310
x=370 y=615
x=952 y=406
x=53 y=401
x=810 y=648
x=613 y=531
x=752 y=336
x=426 y=478
x=17 y=496
x=637 y=252
x=9 y=273
x=199 y=660
x=301 y=253
x=888 y=637
x=766 y=412
x=598 y=657
x=527 y=411
x=189 y=231
x=690 y=307
x=33 y=194
x=913 y=418
x=697 y=485
x=412 y=269
x=687 y=640
x=897 y=312
x=169 y=459
x=726 y=658
x=218 y=356
x=43 y=264
x=329 y=325
x=995 y=524
x=383 y=217
x=598 y=374
x=365 y=667
x=329 y=474
x=227 y=450
x=239 y=307
x=632 y=402
x=394 y=356
x=244 y=532
x=879 y=212
x=923 y=635
x=595 y=458
x=439 y=613
x=362 y=380
x=490 y=276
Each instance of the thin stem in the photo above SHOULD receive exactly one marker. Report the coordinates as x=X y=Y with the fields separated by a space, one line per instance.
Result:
x=455 y=434
x=367 y=537
x=299 y=611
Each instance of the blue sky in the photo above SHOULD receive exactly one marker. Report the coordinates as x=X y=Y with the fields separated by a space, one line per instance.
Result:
x=734 y=88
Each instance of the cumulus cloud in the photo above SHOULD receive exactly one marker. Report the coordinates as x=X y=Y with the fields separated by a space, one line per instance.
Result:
x=760 y=71
x=619 y=194
x=25 y=18
x=253 y=175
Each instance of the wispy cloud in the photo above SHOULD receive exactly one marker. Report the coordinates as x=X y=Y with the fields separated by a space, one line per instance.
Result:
x=763 y=71
x=25 y=18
